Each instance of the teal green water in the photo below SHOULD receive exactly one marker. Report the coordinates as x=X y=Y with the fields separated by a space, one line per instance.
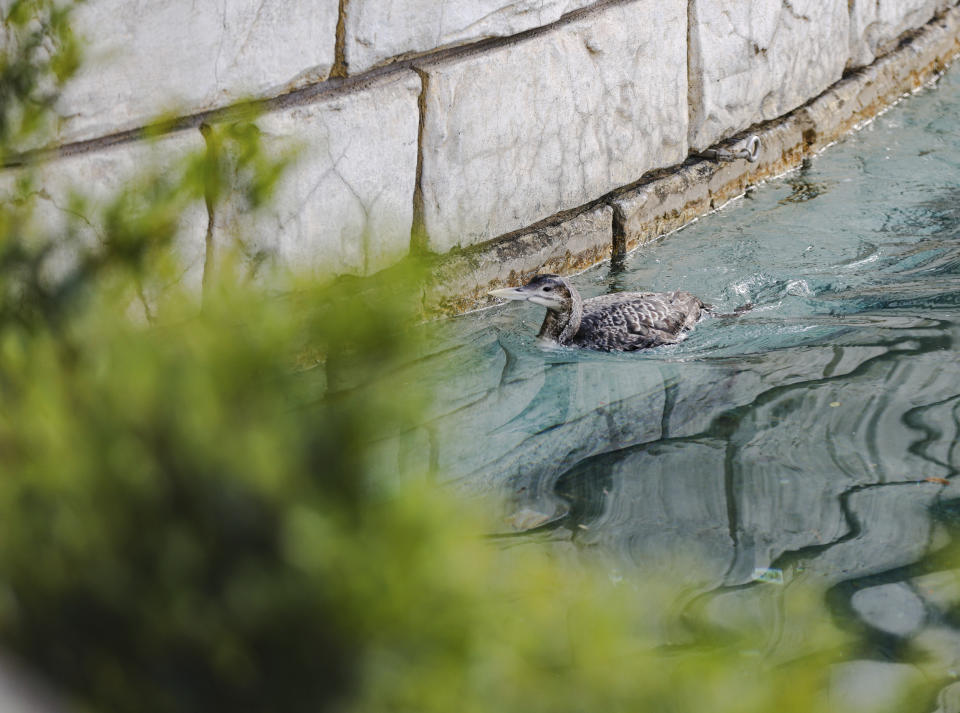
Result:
x=818 y=435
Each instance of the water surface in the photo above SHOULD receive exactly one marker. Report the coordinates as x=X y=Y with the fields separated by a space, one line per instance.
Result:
x=816 y=436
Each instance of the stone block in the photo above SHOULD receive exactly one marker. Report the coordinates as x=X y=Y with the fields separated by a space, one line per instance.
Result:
x=346 y=203
x=755 y=60
x=379 y=30
x=97 y=177
x=668 y=202
x=518 y=133
x=663 y=204
x=876 y=25
x=147 y=57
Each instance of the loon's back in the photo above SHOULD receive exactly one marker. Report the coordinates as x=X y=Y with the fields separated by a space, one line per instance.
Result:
x=628 y=321
x=625 y=321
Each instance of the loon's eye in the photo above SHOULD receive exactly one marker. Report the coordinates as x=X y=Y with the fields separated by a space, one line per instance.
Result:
x=548 y=289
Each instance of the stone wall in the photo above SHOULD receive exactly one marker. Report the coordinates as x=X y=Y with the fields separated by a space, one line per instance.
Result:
x=497 y=129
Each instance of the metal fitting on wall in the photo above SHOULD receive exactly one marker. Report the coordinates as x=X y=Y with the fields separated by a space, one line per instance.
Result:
x=748 y=149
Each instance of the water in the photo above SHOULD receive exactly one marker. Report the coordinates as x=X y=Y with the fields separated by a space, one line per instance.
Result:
x=814 y=437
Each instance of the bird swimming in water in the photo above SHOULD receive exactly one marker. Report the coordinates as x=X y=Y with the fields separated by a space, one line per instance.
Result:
x=625 y=321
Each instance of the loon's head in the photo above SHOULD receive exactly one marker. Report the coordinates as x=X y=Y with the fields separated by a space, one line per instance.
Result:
x=550 y=291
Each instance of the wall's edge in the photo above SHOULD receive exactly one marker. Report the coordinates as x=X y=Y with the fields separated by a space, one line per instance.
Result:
x=668 y=199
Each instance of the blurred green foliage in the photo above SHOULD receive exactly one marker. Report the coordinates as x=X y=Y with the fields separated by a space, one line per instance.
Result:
x=189 y=518
x=38 y=55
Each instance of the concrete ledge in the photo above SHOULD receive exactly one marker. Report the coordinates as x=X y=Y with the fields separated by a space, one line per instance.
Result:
x=667 y=199
x=462 y=279
x=664 y=204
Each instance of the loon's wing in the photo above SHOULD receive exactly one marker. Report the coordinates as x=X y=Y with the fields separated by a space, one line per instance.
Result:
x=649 y=333
x=668 y=312
x=630 y=320
x=611 y=331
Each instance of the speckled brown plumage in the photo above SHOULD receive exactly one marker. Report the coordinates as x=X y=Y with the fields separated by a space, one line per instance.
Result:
x=636 y=320
x=624 y=321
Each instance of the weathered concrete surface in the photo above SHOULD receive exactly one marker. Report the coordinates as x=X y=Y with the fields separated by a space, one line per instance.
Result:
x=147 y=57
x=346 y=203
x=876 y=25
x=516 y=134
x=461 y=281
x=671 y=200
x=755 y=60
x=98 y=178
x=379 y=30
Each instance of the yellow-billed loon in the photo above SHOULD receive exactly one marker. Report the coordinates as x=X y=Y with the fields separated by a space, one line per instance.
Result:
x=625 y=321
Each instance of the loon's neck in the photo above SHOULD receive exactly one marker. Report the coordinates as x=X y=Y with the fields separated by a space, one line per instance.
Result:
x=561 y=326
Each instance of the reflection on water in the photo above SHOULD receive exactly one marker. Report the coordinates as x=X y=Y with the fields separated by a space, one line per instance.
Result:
x=804 y=189
x=815 y=438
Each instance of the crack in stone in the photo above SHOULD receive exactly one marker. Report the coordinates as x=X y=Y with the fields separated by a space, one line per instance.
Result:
x=44 y=195
x=209 y=247
x=340 y=67
x=223 y=40
x=789 y=7
x=250 y=32
x=418 y=228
